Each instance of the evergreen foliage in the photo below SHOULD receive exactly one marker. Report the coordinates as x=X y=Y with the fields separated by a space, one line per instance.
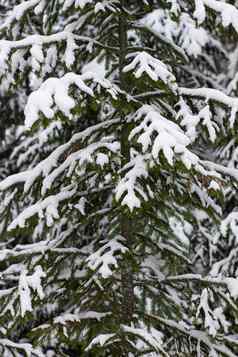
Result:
x=118 y=167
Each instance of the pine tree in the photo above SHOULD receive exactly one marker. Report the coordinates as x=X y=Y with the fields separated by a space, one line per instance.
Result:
x=117 y=168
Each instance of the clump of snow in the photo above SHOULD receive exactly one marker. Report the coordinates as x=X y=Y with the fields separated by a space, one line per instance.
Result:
x=232 y=285
x=213 y=95
x=49 y=205
x=228 y=12
x=170 y=138
x=181 y=229
x=210 y=320
x=104 y=258
x=230 y=222
x=153 y=67
x=128 y=186
x=214 y=186
x=53 y=90
x=69 y=55
x=102 y=159
x=153 y=337
x=77 y=3
x=191 y=121
x=28 y=282
x=101 y=340
x=185 y=33
x=96 y=66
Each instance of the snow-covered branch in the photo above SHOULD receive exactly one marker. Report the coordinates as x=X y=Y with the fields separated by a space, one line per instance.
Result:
x=228 y=12
x=213 y=95
x=198 y=335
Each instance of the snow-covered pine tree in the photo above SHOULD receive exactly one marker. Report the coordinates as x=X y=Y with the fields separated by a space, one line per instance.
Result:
x=114 y=173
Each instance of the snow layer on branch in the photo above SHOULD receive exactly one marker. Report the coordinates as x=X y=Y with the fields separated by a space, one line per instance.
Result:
x=27 y=348
x=181 y=229
x=77 y=3
x=210 y=322
x=156 y=134
x=153 y=337
x=28 y=282
x=183 y=33
x=99 y=5
x=228 y=12
x=68 y=317
x=49 y=205
x=69 y=55
x=19 y=11
x=101 y=340
x=55 y=91
x=46 y=166
x=200 y=336
x=153 y=67
x=230 y=222
x=232 y=285
x=191 y=121
x=13 y=51
x=170 y=138
x=213 y=95
x=128 y=187
x=104 y=258
x=80 y=157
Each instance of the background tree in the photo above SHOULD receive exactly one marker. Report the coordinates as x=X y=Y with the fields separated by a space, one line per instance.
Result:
x=117 y=180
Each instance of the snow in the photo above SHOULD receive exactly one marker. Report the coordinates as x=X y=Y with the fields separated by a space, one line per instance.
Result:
x=192 y=39
x=214 y=186
x=128 y=187
x=210 y=319
x=214 y=95
x=80 y=206
x=27 y=348
x=49 y=205
x=170 y=138
x=221 y=267
x=198 y=335
x=53 y=90
x=102 y=159
x=103 y=260
x=43 y=57
x=77 y=3
x=98 y=6
x=230 y=222
x=30 y=281
x=69 y=53
x=19 y=10
x=153 y=337
x=191 y=121
x=44 y=167
x=97 y=67
x=232 y=285
x=228 y=12
x=200 y=12
x=37 y=54
x=162 y=140
x=181 y=229
x=101 y=340
x=80 y=157
x=156 y=134
x=18 y=61
x=153 y=67
x=183 y=33
x=69 y=317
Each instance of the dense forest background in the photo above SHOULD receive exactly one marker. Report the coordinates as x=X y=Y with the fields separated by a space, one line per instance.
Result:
x=118 y=178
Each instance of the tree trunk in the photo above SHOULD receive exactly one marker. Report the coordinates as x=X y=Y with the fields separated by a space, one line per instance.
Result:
x=127 y=287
